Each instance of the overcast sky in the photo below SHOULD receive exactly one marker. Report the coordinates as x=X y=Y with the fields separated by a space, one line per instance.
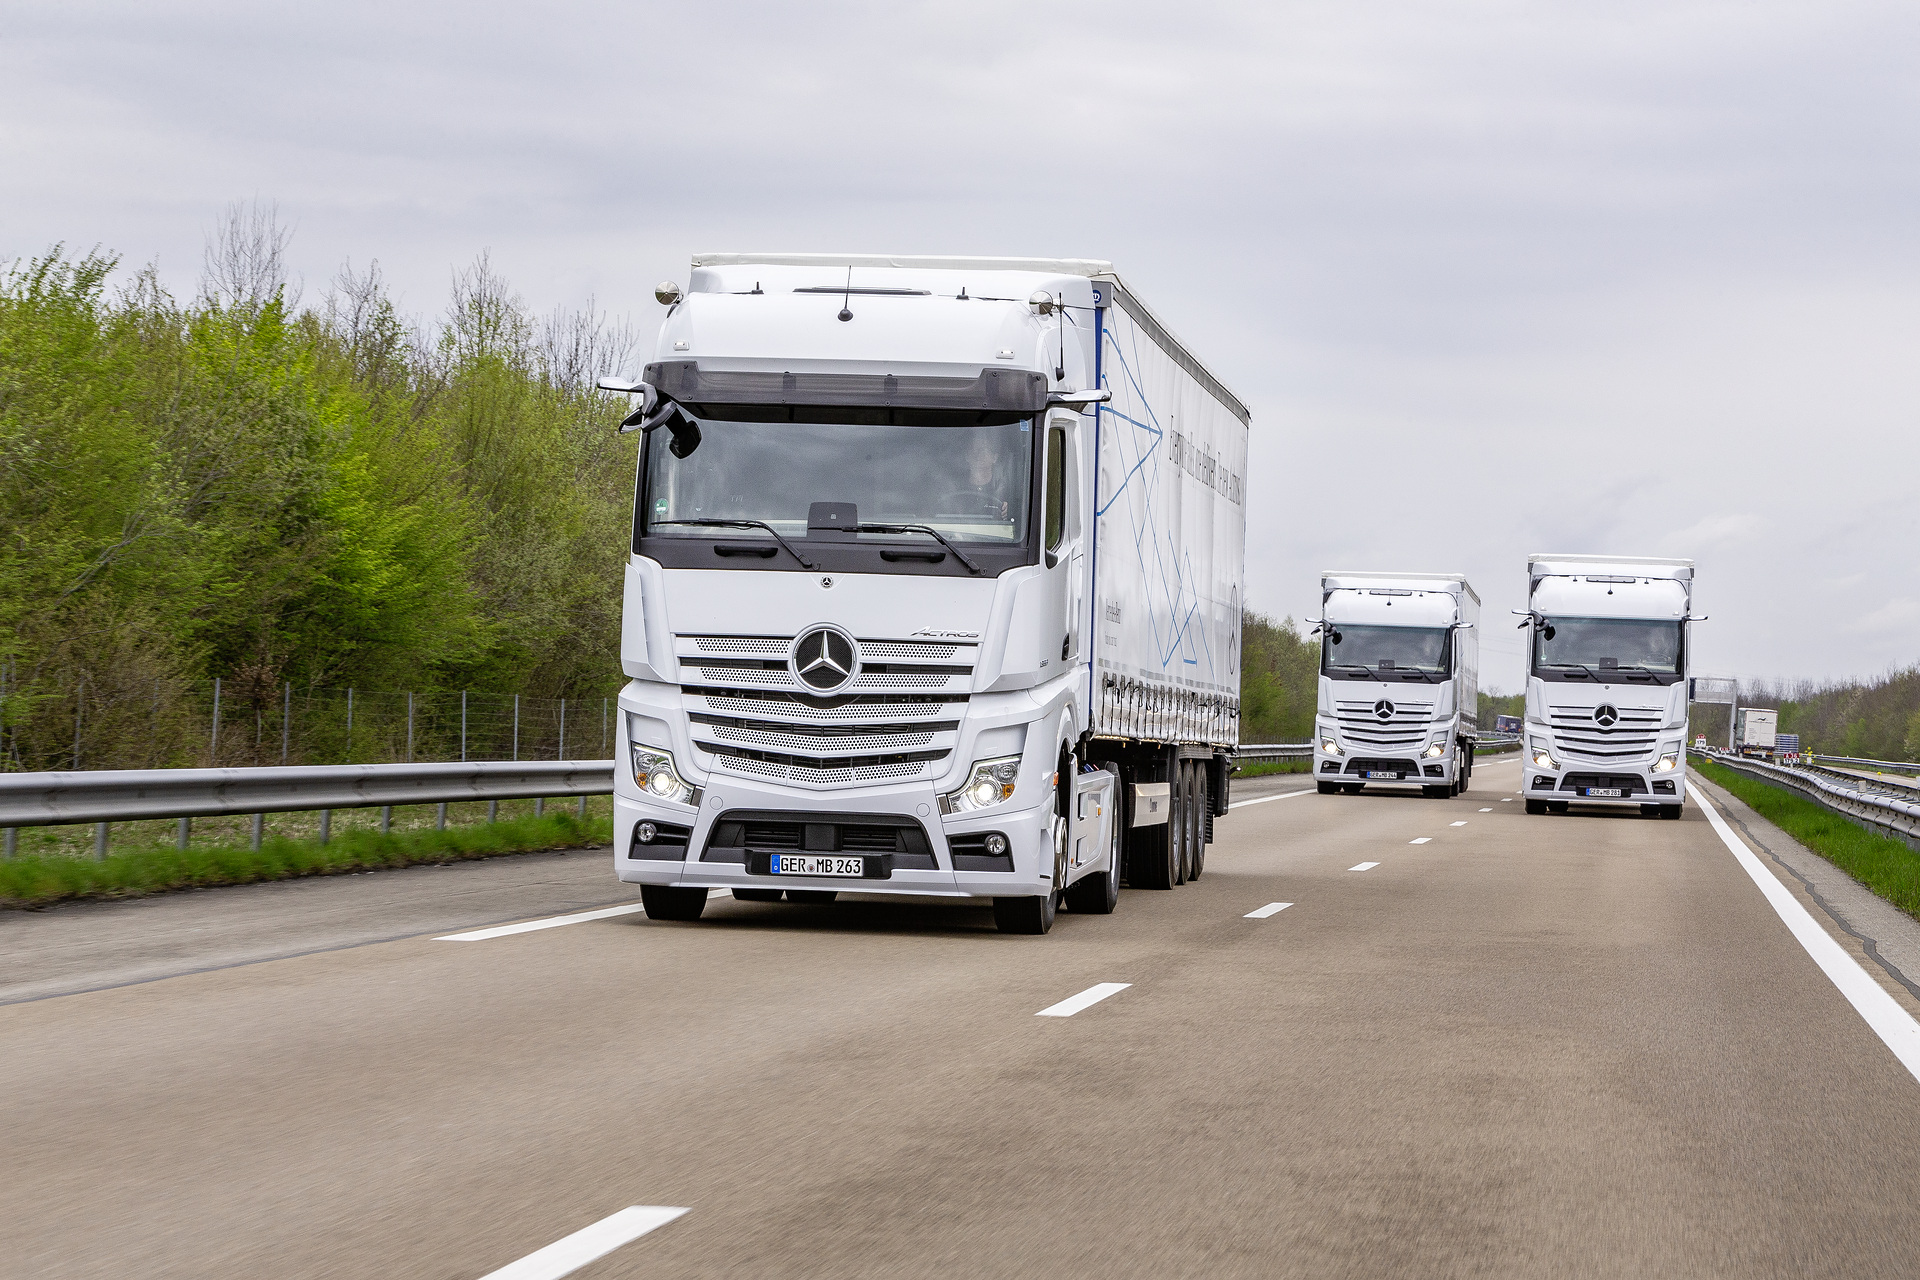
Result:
x=1495 y=278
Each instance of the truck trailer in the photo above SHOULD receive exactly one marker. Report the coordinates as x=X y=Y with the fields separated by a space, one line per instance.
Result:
x=1399 y=682
x=934 y=588
x=1756 y=731
x=1607 y=683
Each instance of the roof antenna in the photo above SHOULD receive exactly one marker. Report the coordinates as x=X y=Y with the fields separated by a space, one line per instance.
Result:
x=1060 y=370
x=846 y=310
x=963 y=295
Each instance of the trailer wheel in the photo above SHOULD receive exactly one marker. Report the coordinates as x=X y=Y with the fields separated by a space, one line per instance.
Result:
x=1178 y=824
x=666 y=902
x=1200 y=820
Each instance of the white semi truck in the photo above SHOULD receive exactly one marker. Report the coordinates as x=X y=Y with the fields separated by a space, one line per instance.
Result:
x=1606 y=719
x=1399 y=682
x=934 y=588
x=1755 y=729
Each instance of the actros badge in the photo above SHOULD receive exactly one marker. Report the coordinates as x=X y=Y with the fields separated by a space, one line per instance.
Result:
x=825 y=659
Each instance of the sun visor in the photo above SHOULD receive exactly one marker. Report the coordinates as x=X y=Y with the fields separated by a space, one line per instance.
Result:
x=1020 y=391
x=1586 y=598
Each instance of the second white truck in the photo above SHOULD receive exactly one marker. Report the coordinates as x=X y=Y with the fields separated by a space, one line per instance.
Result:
x=1399 y=682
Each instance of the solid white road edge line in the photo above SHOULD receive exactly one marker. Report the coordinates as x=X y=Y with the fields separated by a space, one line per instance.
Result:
x=1420 y=840
x=1365 y=866
x=1074 y=1004
x=1271 y=909
x=583 y=1246
x=528 y=926
x=1893 y=1024
x=1285 y=795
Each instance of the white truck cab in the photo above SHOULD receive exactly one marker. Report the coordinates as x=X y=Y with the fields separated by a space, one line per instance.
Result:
x=1399 y=682
x=1606 y=715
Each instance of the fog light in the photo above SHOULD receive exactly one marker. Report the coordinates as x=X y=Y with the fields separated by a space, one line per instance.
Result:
x=996 y=844
x=645 y=832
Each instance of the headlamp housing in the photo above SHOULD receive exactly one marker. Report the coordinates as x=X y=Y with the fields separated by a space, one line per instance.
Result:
x=1542 y=756
x=990 y=782
x=654 y=773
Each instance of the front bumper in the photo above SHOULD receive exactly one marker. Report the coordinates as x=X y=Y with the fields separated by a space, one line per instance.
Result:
x=1029 y=833
x=1573 y=783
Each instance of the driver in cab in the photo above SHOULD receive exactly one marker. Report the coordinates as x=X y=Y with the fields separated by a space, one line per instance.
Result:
x=987 y=484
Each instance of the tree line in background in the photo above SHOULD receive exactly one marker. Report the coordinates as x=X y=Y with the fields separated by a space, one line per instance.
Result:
x=323 y=496
x=1871 y=719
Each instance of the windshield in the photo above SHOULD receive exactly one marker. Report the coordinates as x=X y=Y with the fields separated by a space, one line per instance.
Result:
x=1587 y=648
x=1423 y=649
x=969 y=482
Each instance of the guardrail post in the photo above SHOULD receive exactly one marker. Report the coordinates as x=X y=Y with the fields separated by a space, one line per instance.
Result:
x=463 y=728
x=13 y=841
x=563 y=729
x=540 y=807
x=349 y=724
x=409 y=728
x=386 y=819
x=326 y=825
x=286 y=723
x=100 y=841
x=180 y=836
x=259 y=830
x=440 y=822
x=583 y=808
x=493 y=811
x=213 y=747
x=516 y=726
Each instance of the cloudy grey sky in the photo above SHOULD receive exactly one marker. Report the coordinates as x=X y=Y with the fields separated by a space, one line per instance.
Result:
x=1639 y=278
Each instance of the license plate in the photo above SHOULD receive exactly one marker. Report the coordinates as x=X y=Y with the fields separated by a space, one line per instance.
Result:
x=802 y=864
x=1391 y=775
x=1606 y=793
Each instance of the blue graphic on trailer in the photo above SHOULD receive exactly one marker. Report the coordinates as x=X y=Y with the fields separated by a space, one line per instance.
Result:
x=1175 y=611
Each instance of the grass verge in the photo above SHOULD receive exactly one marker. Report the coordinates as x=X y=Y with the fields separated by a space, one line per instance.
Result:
x=1273 y=766
x=1881 y=863
x=38 y=881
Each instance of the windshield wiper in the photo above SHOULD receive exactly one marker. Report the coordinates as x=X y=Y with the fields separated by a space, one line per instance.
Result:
x=714 y=522
x=931 y=532
x=1583 y=666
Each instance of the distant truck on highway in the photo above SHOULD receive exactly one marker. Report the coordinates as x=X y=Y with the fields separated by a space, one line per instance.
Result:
x=1399 y=682
x=1606 y=710
x=1507 y=724
x=934 y=588
x=1756 y=731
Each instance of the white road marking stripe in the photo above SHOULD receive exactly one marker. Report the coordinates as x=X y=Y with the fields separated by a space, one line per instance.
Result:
x=1420 y=840
x=1460 y=823
x=1365 y=866
x=1271 y=909
x=1486 y=811
x=528 y=926
x=1893 y=1024
x=1506 y=799
x=569 y=1254
x=1285 y=795
x=1091 y=996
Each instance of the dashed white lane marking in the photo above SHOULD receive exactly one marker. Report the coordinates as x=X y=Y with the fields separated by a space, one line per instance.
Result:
x=1486 y=811
x=1365 y=866
x=1091 y=996
x=1271 y=909
x=551 y=922
x=573 y=1252
x=1285 y=795
x=1461 y=823
x=1894 y=1025
x=1506 y=799
x=1420 y=840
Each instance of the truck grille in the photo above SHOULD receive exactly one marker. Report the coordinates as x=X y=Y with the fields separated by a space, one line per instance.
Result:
x=1579 y=736
x=737 y=831
x=1404 y=727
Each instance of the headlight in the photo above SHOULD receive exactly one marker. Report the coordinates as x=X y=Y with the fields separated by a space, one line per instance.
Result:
x=1436 y=750
x=1331 y=747
x=1668 y=762
x=991 y=782
x=656 y=777
x=1542 y=757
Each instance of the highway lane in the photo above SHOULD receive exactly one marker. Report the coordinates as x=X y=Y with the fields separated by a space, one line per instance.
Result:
x=1529 y=1046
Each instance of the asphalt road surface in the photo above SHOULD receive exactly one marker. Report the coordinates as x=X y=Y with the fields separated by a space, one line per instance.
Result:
x=1581 y=1045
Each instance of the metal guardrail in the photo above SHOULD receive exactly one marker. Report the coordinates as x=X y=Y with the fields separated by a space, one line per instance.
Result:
x=1851 y=762
x=1891 y=815
x=129 y=795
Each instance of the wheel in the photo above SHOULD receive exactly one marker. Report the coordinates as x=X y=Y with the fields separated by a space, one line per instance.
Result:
x=1351 y=788
x=1556 y=806
x=1098 y=894
x=1536 y=806
x=1442 y=792
x=1178 y=827
x=812 y=895
x=1035 y=914
x=1651 y=810
x=1328 y=788
x=665 y=902
x=757 y=895
x=1200 y=807
x=1670 y=811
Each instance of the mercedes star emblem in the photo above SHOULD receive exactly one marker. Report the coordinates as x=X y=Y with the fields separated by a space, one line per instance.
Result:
x=824 y=659
x=1606 y=715
x=1383 y=709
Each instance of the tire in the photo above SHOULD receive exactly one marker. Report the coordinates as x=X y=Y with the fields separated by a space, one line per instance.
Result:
x=756 y=895
x=812 y=895
x=1536 y=806
x=1352 y=788
x=1328 y=788
x=1200 y=806
x=1098 y=895
x=1035 y=914
x=1556 y=806
x=1671 y=811
x=665 y=902
x=1437 y=793
x=1178 y=826
x=1650 y=810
